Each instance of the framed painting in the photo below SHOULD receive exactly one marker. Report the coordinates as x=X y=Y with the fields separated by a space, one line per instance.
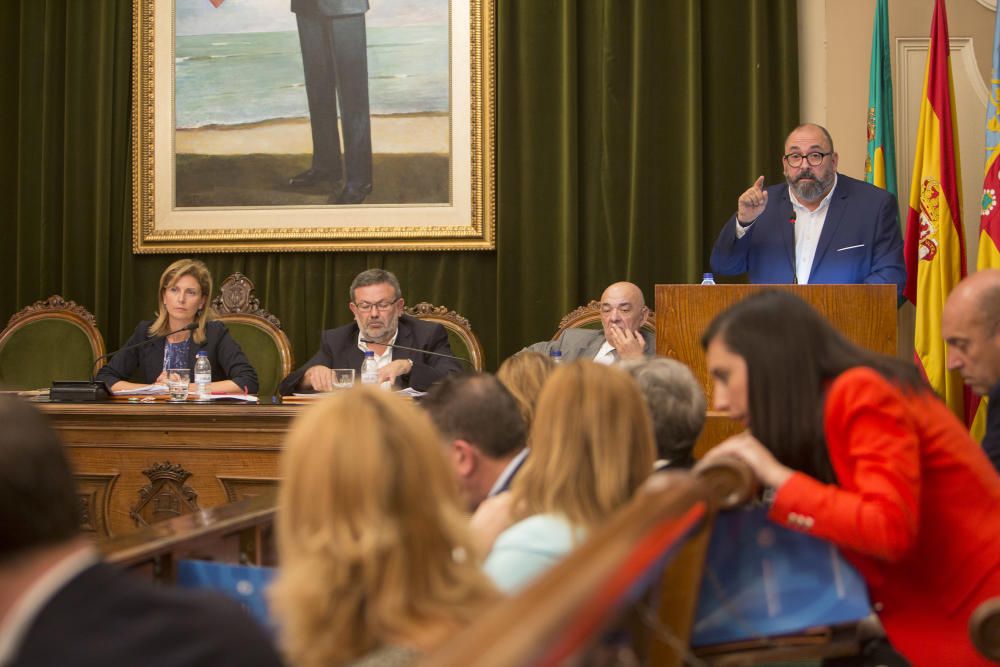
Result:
x=313 y=125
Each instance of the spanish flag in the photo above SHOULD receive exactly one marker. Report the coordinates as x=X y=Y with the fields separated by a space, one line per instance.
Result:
x=934 y=245
x=880 y=165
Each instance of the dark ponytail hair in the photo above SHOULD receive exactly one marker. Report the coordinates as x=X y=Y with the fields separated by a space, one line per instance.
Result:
x=792 y=354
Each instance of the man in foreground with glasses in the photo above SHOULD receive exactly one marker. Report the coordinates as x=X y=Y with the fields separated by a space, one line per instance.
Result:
x=818 y=227
x=377 y=304
x=621 y=336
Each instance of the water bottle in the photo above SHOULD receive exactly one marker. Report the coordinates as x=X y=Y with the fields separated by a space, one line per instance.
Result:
x=369 y=369
x=202 y=375
x=555 y=356
x=707 y=279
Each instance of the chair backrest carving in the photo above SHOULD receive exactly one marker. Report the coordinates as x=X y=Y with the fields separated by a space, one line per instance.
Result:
x=457 y=326
x=52 y=339
x=238 y=306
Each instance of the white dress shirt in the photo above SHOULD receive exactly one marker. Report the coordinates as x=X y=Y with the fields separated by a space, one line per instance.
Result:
x=607 y=355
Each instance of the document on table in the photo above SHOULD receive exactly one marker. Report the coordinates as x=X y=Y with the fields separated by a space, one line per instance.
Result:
x=147 y=390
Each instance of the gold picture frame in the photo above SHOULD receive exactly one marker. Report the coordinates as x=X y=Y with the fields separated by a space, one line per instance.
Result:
x=464 y=220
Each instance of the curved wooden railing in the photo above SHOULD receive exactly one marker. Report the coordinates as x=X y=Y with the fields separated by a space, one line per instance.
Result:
x=604 y=582
x=238 y=532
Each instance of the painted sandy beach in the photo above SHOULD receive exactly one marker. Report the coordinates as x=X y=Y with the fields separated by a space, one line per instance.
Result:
x=425 y=133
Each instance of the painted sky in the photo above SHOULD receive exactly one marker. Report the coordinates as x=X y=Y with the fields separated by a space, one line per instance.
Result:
x=199 y=17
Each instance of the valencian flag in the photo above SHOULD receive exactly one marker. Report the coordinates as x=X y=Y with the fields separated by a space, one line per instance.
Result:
x=989 y=223
x=880 y=165
x=989 y=220
x=934 y=245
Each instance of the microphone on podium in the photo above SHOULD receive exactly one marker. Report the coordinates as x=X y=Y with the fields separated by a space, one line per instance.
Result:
x=416 y=349
x=89 y=391
x=795 y=273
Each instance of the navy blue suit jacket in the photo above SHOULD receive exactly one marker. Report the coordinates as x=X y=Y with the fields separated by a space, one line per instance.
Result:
x=106 y=616
x=339 y=349
x=860 y=243
x=145 y=363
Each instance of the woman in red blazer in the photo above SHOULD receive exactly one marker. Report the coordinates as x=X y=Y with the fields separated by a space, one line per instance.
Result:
x=860 y=452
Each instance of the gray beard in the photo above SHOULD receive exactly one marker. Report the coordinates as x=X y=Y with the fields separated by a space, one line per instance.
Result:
x=810 y=191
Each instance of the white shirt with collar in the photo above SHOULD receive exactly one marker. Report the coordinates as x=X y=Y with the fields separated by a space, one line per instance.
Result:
x=507 y=473
x=808 y=227
x=607 y=355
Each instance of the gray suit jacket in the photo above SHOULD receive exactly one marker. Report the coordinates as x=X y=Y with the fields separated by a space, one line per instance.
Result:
x=584 y=344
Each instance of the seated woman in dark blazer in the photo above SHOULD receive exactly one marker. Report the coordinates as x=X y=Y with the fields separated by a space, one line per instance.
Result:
x=185 y=290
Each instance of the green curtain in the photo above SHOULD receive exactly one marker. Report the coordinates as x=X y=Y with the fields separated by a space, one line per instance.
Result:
x=626 y=131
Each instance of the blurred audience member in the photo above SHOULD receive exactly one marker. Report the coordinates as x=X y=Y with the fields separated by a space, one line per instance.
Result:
x=484 y=432
x=376 y=562
x=524 y=374
x=970 y=325
x=591 y=447
x=677 y=406
x=60 y=605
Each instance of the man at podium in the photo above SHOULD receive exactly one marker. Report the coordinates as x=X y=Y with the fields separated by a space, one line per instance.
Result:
x=819 y=227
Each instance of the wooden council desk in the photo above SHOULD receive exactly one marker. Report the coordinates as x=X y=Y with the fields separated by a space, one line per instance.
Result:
x=137 y=464
x=140 y=463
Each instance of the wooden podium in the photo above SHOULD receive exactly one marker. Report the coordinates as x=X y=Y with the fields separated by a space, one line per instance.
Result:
x=866 y=314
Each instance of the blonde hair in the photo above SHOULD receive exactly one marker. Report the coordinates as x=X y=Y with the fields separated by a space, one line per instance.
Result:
x=197 y=270
x=591 y=446
x=523 y=375
x=372 y=540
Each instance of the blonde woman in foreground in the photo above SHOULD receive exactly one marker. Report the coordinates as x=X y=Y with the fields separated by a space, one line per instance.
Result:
x=591 y=447
x=376 y=563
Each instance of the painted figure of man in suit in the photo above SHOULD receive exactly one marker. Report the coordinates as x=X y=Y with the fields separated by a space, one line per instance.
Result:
x=818 y=227
x=399 y=342
x=621 y=336
x=335 y=63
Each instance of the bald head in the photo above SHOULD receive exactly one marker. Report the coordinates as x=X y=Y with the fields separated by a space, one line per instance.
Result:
x=970 y=326
x=623 y=306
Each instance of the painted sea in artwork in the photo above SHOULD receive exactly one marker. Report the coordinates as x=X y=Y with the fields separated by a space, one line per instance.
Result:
x=238 y=78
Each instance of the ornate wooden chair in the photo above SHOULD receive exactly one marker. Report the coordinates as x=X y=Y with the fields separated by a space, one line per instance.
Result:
x=54 y=339
x=256 y=330
x=464 y=342
x=589 y=317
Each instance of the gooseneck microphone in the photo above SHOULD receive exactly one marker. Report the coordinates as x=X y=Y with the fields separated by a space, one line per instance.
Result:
x=795 y=273
x=416 y=349
x=93 y=369
x=89 y=391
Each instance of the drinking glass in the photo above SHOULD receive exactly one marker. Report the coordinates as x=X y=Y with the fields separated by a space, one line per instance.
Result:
x=178 y=380
x=343 y=378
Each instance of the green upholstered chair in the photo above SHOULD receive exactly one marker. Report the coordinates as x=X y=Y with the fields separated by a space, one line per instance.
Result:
x=463 y=341
x=589 y=317
x=54 y=339
x=257 y=331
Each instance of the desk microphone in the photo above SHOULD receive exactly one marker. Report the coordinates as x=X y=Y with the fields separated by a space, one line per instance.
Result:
x=416 y=349
x=87 y=391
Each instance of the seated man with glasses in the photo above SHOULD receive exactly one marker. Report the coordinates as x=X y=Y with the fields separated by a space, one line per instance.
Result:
x=623 y=312
x=818 y=227
x=381 y=326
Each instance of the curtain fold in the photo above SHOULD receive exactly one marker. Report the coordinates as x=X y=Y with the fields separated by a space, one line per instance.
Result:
x=626 y=130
